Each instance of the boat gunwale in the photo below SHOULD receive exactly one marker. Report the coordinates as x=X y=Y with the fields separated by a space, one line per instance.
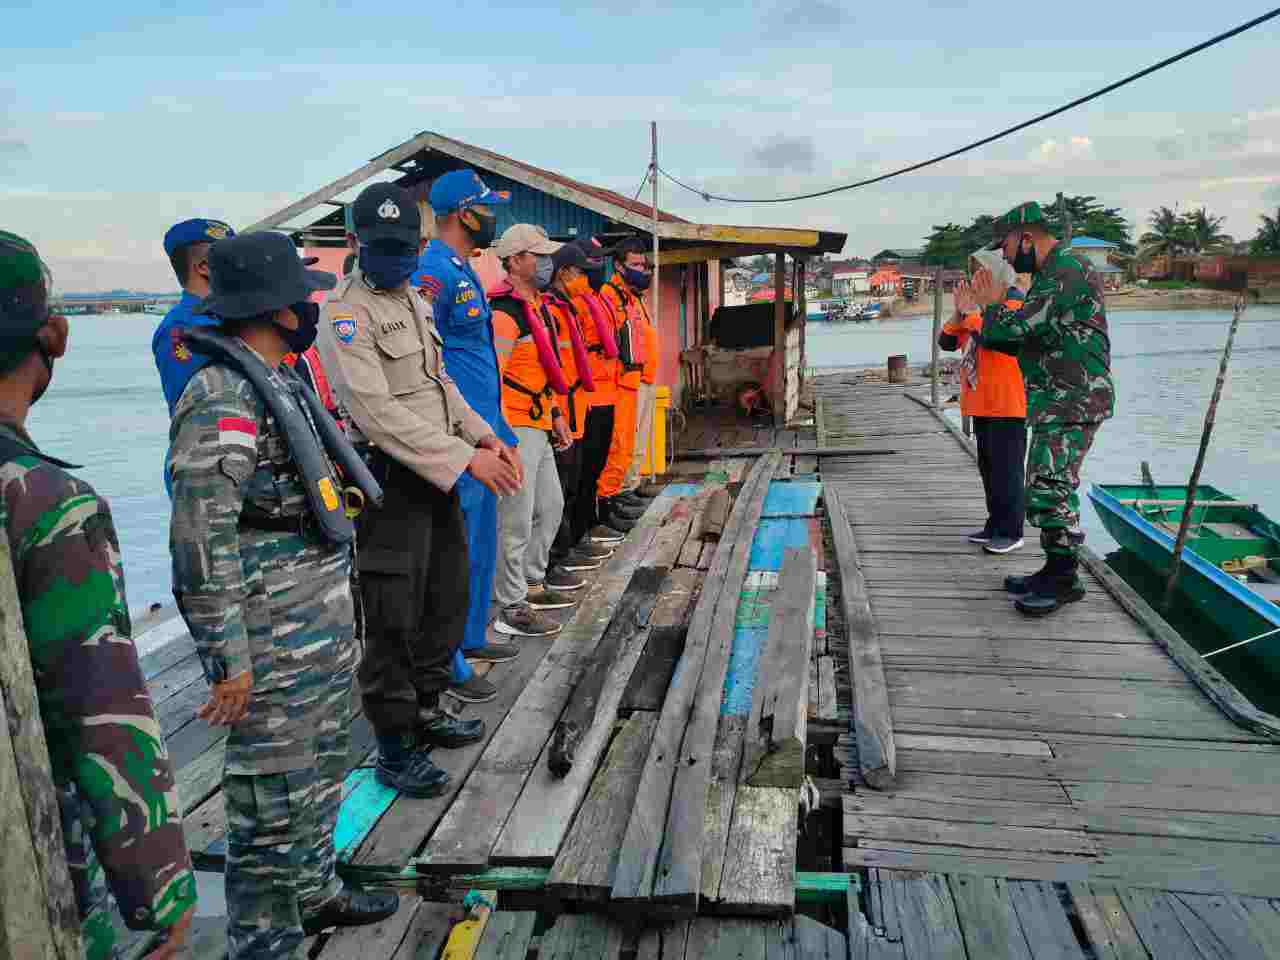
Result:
x=1102 y=499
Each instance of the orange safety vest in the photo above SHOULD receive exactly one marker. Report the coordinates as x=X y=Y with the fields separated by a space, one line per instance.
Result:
x=628 y=312
x=602 y=347
x=572 y=348
x=528 y=360
x=651 y=347
x=1000 y=391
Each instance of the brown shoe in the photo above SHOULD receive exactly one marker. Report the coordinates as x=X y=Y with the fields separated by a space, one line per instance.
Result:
x=521 y=620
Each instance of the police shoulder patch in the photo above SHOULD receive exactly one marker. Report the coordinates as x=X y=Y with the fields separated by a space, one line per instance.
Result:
x=344 y=327
x=456 y=262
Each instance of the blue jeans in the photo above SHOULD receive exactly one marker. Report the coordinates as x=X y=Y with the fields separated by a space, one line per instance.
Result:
x=480 y=513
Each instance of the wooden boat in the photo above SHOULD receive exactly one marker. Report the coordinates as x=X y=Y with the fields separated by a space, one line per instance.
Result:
x=1231 y=561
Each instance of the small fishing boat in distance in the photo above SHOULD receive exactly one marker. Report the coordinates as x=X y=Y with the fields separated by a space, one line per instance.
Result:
x=1231 y=561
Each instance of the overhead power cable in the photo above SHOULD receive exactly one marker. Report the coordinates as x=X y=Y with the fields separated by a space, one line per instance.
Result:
x=1079 y=101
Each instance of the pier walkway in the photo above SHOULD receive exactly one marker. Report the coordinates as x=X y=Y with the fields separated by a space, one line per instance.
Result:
x=1059 y=782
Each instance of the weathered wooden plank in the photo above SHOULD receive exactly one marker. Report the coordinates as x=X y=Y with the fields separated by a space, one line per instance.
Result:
x=828 y=700
x=925 y=785
x=726 y=758
x=661 y=940
x=594 y=697
x=987 y=920
x=760 y=859
x=383 y=939
x=1023 y=748
x=668 y=625
x=1264 y=922
x=507 y=935
x=467 y=832
x=667 y=803
x=866 y=939
x=678 y=877
x=774 y=750
x=1218 y=926
x=1157 y=924
x=582 y=937
x=730 y=938
x=1044 y=921
x=872 y=719
x=583 y=869
x=1054 y=816
x=804 y=938
x=715 y=515
x=1106 y=923
x=927 y=914
x=999 y=838
x=714 y=453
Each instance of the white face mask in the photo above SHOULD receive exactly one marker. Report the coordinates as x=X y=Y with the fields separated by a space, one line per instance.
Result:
x=543 y=272
x=1000 y=269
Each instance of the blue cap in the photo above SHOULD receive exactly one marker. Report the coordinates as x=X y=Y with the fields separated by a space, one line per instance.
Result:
x=195 y=231
x=459 y=189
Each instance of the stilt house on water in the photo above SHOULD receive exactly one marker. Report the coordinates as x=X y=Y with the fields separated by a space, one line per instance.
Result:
x=691 y=281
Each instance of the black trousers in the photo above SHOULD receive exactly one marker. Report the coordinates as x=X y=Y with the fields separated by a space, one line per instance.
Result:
x=569 y=466
x=597 y=433
x=1002 y=457
x=414 y=583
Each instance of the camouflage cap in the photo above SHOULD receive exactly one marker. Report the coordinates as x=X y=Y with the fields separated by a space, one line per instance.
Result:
x=1023 y=215
x=25 y=284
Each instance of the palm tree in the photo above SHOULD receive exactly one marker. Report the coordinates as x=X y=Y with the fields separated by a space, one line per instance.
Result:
x=1268 y=236
x=1168 y=234
x=1202 y=230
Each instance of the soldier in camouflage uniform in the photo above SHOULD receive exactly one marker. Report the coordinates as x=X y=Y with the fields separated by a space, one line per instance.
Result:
x=119 y=808
x=268 y=603
x=1060 y=337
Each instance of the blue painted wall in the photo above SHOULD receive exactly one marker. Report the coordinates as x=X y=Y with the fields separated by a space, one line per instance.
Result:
x=561 y=219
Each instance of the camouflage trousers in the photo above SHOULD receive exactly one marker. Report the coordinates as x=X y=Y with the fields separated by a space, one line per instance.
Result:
x=1054 y=457
x=286 y=761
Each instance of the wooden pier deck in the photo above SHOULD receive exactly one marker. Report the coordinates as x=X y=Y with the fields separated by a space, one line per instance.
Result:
x=1063 y=788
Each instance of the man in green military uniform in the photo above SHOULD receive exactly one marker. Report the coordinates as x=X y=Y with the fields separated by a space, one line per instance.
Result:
x=119 y=808
x=261 y=575
x=1060 y=337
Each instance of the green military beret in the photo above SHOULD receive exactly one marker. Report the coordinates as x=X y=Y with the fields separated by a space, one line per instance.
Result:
x=1023 y=215
x=25 y=285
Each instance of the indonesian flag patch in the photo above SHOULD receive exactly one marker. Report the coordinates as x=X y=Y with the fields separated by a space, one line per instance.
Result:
x=237 y=431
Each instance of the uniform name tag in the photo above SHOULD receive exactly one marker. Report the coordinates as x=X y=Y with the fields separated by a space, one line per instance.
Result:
x=394 y=326
x=237 y=431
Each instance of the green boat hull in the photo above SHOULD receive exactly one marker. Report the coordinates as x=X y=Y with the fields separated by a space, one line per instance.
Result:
x=1221 y=534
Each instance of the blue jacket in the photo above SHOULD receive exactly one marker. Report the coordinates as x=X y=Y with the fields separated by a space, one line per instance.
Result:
x=465 y=321
x=176 y=363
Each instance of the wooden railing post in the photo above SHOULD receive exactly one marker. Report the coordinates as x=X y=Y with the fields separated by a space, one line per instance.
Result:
x=38 y=916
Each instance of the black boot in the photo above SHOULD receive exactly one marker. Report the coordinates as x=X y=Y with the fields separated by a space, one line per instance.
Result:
x=439 y=729
x=611 y=516
x=406 y=766
x=352 y=908
x=1019 y=585
x=620 y=506
x=1059 y=585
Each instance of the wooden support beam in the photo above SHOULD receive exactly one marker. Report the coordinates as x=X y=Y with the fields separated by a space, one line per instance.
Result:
x=779 y=363
x=661 y=856
x=774 y=751
x=872 y=719
x=38 y=916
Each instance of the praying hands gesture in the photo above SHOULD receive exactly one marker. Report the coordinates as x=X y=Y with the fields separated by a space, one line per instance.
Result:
x=963 y=298
x=984 y=289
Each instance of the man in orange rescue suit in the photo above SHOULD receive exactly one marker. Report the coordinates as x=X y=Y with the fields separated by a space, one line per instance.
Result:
x=618 y=505
x=567 y=298
x=535 y=404
x=385 y=360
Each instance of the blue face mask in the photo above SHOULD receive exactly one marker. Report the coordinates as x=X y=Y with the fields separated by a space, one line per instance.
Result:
x=543 y=272
x=596 y=276
x=637 y=279
x=389 y=265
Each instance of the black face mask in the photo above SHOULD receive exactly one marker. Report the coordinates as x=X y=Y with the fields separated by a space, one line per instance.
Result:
x=487 y=228
x=595 y=276
x=308 y=315
x=1024 y=261
x=48 y=364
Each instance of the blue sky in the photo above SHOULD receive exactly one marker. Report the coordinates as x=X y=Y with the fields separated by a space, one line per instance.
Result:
x=116 y=120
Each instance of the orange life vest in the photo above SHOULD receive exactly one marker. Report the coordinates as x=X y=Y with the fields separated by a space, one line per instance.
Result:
x=1000 y=391
x=602 y=347
x=627 y=311
x=573 y=358
x=528 y=360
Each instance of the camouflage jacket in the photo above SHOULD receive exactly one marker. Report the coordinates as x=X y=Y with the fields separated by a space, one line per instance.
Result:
x=228 y=462
x=1060 y=335
x=115 y=782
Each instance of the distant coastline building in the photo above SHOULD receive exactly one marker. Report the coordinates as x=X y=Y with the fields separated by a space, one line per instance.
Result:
x=1098 y=252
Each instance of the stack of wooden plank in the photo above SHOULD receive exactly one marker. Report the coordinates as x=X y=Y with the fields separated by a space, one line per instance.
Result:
x=662 y=854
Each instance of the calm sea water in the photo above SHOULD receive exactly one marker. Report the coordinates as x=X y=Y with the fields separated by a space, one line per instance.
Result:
x=105 y=411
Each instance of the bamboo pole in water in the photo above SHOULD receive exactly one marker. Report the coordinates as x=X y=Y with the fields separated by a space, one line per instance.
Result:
x=937 y=329
x=1194 y=482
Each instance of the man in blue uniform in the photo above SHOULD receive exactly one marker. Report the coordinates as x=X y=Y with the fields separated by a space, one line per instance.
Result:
x=186 y=244
x=465 y=221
